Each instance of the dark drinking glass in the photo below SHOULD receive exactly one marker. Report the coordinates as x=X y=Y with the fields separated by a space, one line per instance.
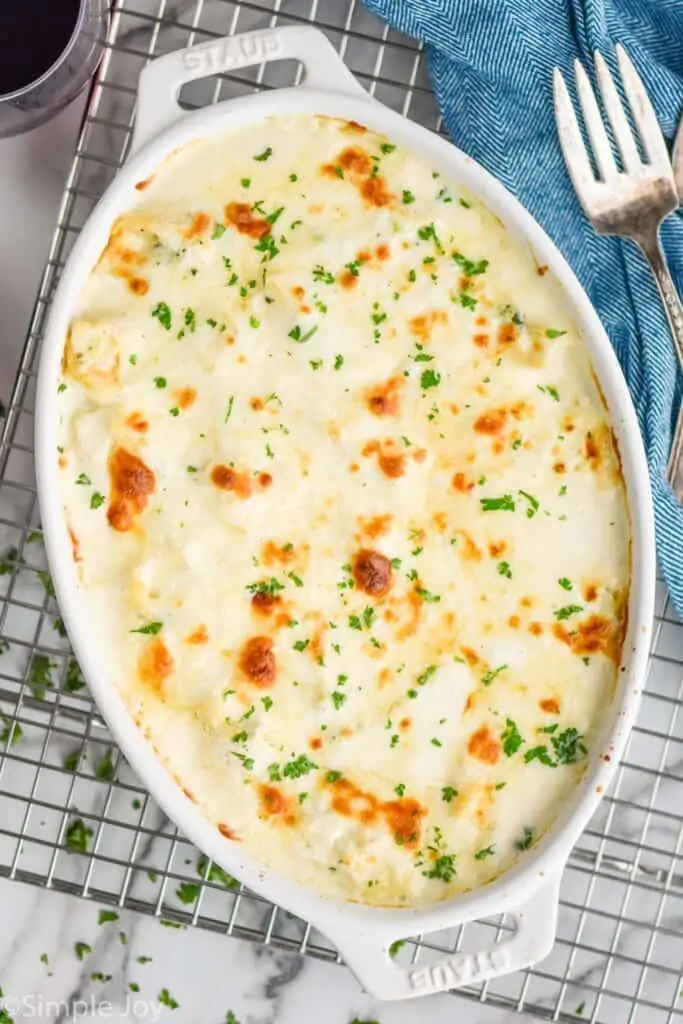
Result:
x=48 y=51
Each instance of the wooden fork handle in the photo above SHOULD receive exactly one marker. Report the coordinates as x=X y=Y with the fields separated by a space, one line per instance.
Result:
x=653 y=253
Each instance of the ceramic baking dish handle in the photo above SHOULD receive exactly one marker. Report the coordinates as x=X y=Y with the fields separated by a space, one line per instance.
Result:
x=162 y=79
x=385 y=979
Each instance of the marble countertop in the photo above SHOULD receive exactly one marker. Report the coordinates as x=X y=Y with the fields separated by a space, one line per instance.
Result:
x=41 y=976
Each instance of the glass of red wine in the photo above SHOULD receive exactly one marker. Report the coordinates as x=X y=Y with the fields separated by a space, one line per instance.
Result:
x=48 y=51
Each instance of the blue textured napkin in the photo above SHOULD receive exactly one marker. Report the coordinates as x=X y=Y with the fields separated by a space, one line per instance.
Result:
x=491 y=64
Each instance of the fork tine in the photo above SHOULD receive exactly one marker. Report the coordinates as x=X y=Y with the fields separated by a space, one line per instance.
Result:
x=571 y=141
x=617 y=117
x=596 y=129
x=643 y=113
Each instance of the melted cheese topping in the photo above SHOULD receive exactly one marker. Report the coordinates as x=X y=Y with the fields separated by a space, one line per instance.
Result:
x=347 y=508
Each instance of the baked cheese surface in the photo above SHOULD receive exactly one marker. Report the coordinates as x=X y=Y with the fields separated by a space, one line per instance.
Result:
x=347 y=509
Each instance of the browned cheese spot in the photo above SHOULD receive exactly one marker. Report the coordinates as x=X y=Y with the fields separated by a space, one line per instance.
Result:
x=241 y=216
x=136 y=421
x=75 y=545
x=131 y=484
x=155 y=664
x=491 y=422
x=372 y=572
x=484 y=746
x=402 y=817
x=265 y=603
x=197 y=226
x=275 y=804
x=198 y=636
x=225 y=478
x=257 y=661
x=383 y=399
x=185 y=397
x=423 y=325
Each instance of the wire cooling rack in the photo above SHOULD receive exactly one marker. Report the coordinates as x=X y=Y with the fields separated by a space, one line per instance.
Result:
x=72 y=815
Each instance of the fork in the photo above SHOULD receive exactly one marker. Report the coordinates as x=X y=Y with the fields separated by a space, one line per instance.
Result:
x=631 y=202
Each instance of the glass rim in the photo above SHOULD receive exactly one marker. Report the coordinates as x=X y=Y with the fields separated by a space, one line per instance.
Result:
x=5 y=96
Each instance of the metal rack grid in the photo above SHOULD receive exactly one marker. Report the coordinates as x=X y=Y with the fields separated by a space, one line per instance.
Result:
x=64 y=786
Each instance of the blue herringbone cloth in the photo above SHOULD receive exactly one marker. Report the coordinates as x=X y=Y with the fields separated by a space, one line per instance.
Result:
x=491 y=64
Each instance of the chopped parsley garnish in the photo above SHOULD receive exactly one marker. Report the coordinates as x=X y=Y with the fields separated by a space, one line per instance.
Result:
x=301 y=765
x=512 y=738
x=533 y=504
x=296 y=335
x=187 y=892
x=442 y=864
x=268 y=247
x=569 y=746
x=338 y=699
x=82 y=949
x=488 y=851
x=40 y=675
x=448 y=793
x=175 y=411
x=469 y=267
x=296 y=580
x=400 y=789
x=468 y=301
x=365 y=621
x=333 y=776
x=541 y=754
x=77 y=836
x=133 y=360
x=218 y=231
x=254 y=322
x=429 y=379
x=83 y=479
x=11 y=732
x=214 y=873
x=315 y=364
x=320 y=274
x=387 y=147
x=301 y=645
x=550 y=333
x=427 y=595
x=160 y=382
x=526 y=839
x=504 y=570
x=97 y=500
x=228 y=413
x=107 y=915
x=74 y=680
x=428 y=231
x=163 y=314
x=151 y=629
x=267 y=703
x=408 y=196
x=270 y=586
x=489 y=676
x=106 y=769
x=504 y=504
x=338 y=362
x=265 y=155
x=565 y=583
x=165 y=997
x=73 y=761
x=567 y=611
x=412 y=276
x=354 y=267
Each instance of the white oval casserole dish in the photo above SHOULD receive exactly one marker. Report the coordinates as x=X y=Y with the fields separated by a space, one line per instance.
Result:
x=529 y=891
